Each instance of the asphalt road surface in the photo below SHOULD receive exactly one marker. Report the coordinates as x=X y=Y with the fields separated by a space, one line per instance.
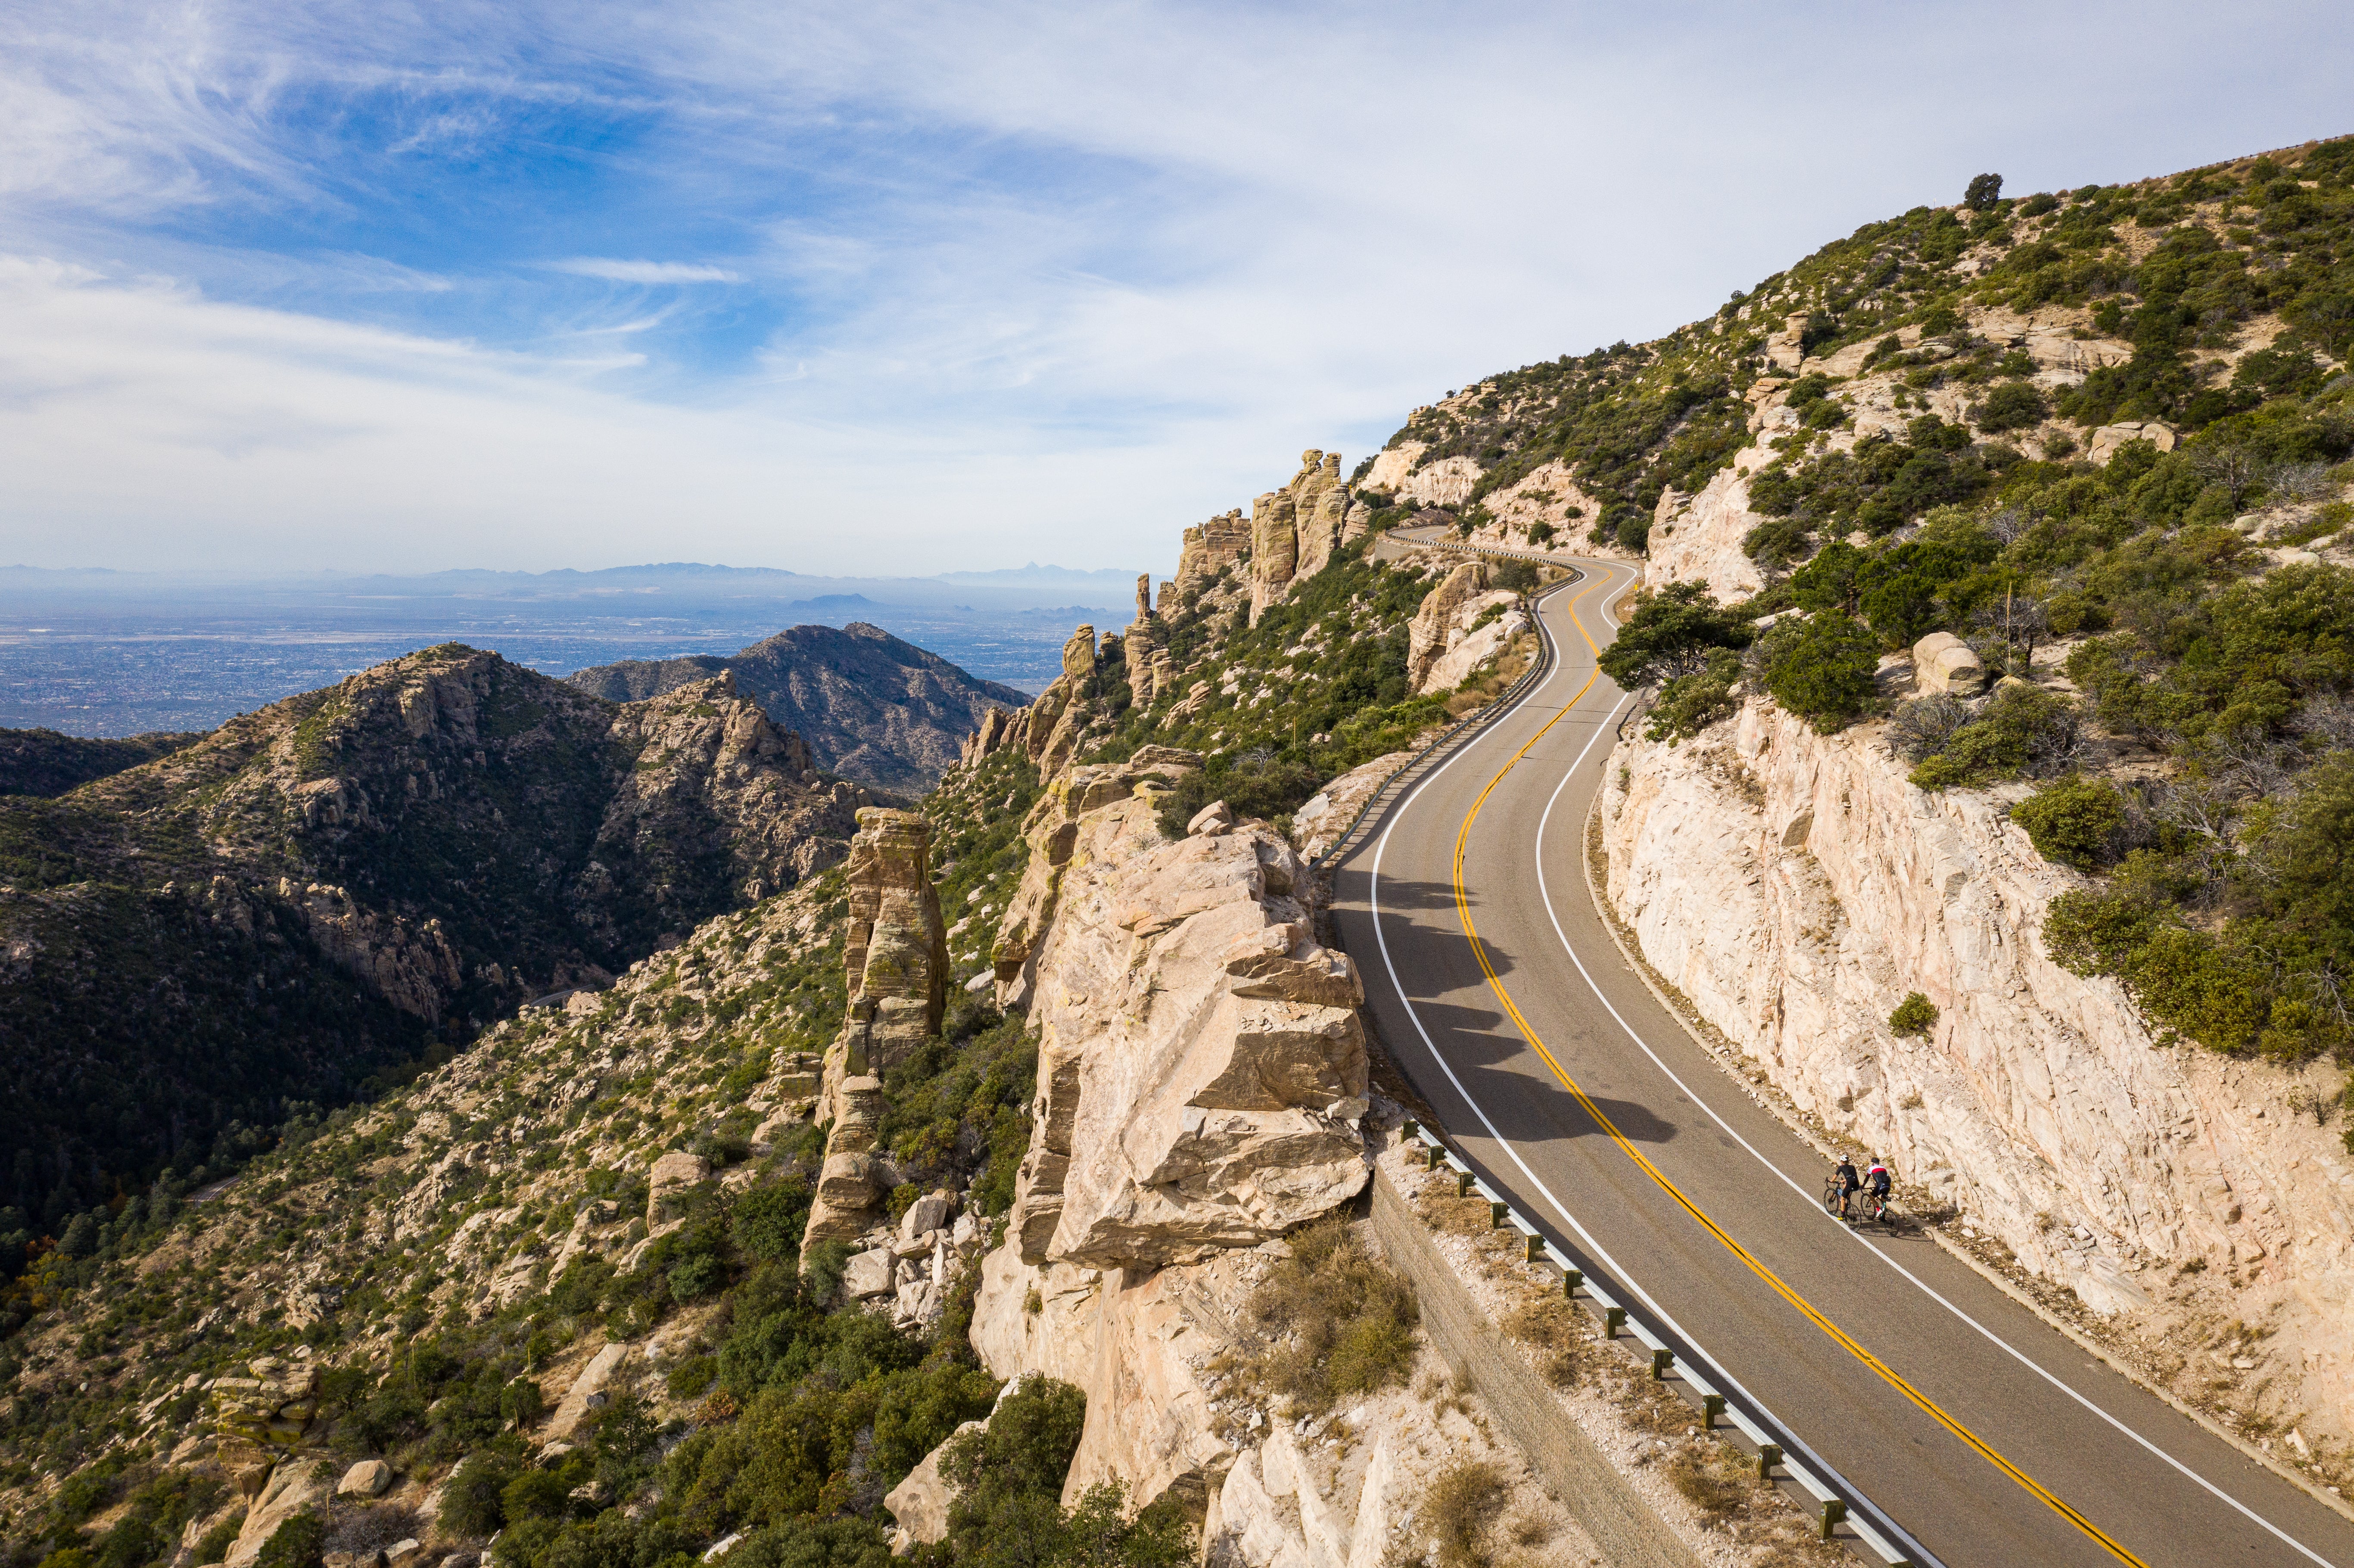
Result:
x=1986 y=1437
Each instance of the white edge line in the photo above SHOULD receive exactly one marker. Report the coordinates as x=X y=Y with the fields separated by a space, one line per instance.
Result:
x=1545 y=895
x=1808 y=1458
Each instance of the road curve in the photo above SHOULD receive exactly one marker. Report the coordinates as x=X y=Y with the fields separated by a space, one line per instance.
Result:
x=1988 y=1437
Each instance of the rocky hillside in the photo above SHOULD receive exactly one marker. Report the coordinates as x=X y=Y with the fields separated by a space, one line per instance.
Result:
x=44 y=763
x=353 y=879
x=870 y=707
x=1999 y=820
x=1000 y=1180
x=696 y=1256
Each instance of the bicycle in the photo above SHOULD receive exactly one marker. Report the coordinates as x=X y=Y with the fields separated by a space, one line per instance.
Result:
x=1834 y=1197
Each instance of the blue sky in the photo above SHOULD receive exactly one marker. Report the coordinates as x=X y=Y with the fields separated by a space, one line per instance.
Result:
x=902 y=288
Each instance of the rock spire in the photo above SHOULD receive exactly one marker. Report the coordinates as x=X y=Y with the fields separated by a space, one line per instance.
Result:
x=896 y=964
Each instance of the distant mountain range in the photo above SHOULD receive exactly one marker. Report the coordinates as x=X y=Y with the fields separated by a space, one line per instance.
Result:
x=119 y=653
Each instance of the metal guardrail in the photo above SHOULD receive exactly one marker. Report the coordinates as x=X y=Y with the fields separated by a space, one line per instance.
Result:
x=1835 y=1505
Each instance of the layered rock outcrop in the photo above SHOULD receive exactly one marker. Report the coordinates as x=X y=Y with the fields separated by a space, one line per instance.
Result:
x=894 y=966
x=1202 y=1068
x=1221 y=544
x=1295 y=530
x=1795 y=887
x=1399 y=472
x=1442 y=644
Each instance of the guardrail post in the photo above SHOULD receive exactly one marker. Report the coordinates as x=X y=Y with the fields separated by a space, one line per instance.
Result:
x=1537 y=1250
x=1711 y=1406
x=1613 y=1319
x=1431 y=1157
x=1571 y=1279
x=1496 y=1216
x=1834 y=1514
x=1768 y=1455
x=1661 y=1361
x=1463 y=1180
x=1407 y=1130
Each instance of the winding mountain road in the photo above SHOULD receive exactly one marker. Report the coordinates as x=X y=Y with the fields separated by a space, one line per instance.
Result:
x=1972 y=1434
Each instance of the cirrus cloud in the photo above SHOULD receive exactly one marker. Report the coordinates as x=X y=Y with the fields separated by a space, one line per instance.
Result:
x=619 y=271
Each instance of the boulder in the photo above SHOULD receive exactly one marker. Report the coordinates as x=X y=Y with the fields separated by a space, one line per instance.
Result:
x=929 y=1212
x=869 y=1274
x=920 y=1503
x=1283 y=963
x=587 y=1393
x=1428 y=635
x=669 y=1179
x=369 y=1478
x=2108 y=439
x=1943 y=663
x=295 y=1485
x=895 y=972
x=1180 y=1102
x=1215 y=818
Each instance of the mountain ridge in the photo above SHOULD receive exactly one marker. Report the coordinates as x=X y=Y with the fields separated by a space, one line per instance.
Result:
x=870 y=706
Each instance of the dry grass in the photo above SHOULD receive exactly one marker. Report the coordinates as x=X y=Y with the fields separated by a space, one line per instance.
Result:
x=1459 y=1508
x=1713 y=1478
x=1343 y=1320
x=1553 y=1328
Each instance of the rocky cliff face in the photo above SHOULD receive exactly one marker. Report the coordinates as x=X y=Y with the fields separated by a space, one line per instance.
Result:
x=1201 y=1073
x=869 y=707
x=1795 y=887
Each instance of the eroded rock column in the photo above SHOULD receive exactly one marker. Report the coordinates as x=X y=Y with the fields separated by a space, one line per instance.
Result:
x=896 y=963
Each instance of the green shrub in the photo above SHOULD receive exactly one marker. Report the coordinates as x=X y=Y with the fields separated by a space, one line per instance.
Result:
x=536 y=1493
x=1265 y=787
x=2023 y=728
x=214 y=1544
x=767 y=1223
x=1916 y=1014
x=692 y=1378
x=2012 y=405
x=698 y=1276
x=2074 y=822
x=1671 y=634
x=1689 y=704
x=1821 y=668
x=297 y=1544
x=471 y=1501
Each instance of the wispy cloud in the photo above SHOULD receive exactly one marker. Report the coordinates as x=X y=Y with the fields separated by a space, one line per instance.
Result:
x=1010 y=280
x=617 y=272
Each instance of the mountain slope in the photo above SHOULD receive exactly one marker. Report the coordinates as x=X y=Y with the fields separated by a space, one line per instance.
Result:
x=870 y=706
x=326 y=888
x=44 y=763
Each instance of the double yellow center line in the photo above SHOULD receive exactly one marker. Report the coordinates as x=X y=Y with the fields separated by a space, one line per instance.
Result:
x=1773 y=1281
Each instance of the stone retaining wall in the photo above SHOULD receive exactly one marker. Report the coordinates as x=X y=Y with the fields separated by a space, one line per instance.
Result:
x=1629 y=1533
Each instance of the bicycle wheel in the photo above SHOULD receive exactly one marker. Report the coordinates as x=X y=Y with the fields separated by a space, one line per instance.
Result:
x=1831 y=1197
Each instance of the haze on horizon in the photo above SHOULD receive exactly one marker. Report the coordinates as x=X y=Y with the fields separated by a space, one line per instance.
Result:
x=334 y=287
